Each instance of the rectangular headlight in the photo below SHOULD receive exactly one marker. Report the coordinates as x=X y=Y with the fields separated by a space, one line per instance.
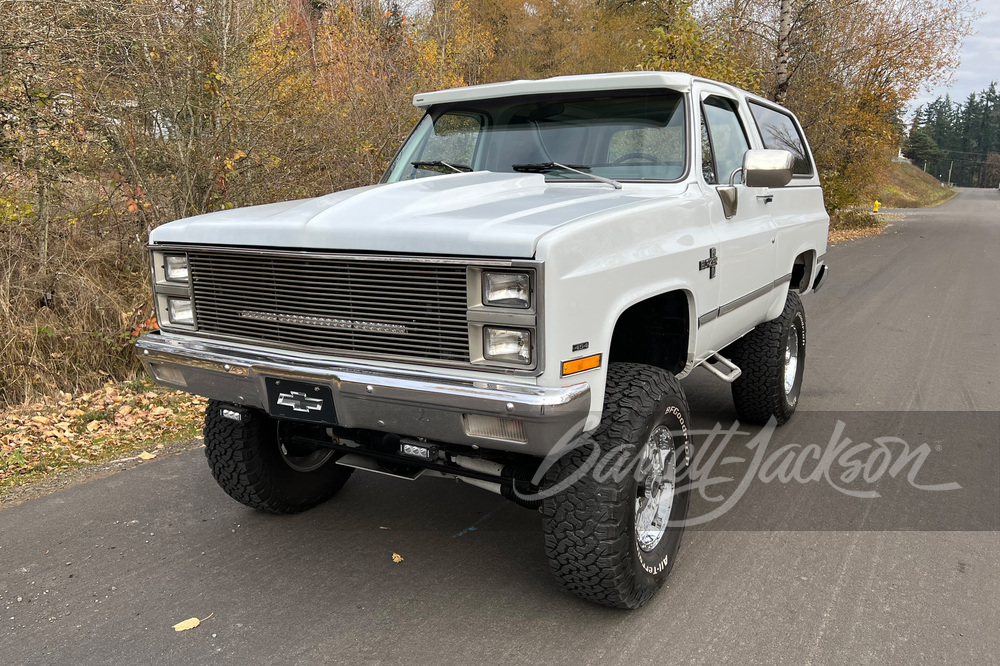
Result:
x=175 y=267
x=179 y=311
x=508 y=345
x=507 y=290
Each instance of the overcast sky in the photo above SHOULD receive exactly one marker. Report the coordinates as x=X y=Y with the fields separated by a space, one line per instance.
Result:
x=980 y=59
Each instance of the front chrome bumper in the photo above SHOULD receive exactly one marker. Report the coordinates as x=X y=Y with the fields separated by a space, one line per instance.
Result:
x=399 y=402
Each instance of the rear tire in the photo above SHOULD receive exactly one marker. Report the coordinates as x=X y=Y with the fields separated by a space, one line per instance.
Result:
x=252 y=464
x=772 y=358
x=614 y=541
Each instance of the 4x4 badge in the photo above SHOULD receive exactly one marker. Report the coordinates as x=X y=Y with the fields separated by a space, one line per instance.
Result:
x=300 y=402
x=709 y=263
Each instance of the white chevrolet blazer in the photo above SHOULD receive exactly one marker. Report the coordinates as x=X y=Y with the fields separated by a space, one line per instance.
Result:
x=519 y=295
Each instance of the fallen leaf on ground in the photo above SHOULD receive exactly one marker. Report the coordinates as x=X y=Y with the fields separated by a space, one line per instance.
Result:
x=397 y=558
x=145 y=455
x=190 y=623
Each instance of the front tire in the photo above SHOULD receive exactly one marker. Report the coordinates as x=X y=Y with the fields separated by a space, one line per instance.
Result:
x=256 y=465
x=772 y=358
x=612 y=538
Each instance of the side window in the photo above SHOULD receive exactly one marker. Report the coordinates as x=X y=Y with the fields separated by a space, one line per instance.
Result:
x=779 y=132
x=728 y=142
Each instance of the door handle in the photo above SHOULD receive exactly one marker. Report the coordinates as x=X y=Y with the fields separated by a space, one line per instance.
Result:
x=765 y=198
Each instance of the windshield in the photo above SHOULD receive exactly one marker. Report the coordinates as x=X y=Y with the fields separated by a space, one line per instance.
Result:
x=620 y=135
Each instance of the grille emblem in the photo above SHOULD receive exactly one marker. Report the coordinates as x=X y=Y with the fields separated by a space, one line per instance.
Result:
x=325 y=322
x=300 y=402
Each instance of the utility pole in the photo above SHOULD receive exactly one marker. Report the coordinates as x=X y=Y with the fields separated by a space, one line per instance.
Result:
x=949 y=172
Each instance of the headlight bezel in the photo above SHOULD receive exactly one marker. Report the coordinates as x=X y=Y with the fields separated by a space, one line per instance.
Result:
x=482 y=314
x=171 y=288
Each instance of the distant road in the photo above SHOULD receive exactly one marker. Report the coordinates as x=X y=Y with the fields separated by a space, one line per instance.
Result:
x=908 y=322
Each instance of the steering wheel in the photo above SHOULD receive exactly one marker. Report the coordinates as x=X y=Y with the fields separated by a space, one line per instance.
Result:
x=642 y=158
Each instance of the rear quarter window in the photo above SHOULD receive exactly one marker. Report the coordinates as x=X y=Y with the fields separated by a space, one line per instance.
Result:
x=779 y=132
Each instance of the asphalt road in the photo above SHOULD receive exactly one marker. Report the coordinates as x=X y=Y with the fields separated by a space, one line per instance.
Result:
x=904 y=333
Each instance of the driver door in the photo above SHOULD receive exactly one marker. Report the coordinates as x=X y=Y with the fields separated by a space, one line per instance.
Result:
x=745 y=257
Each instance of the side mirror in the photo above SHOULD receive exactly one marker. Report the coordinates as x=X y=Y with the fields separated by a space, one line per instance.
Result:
x=761 y=168
x=767 y=168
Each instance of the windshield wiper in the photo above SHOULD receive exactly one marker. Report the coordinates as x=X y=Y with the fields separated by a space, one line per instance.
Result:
x=545 y=167
x=441 y=165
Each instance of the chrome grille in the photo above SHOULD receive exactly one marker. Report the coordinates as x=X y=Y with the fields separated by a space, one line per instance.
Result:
x=348 y=306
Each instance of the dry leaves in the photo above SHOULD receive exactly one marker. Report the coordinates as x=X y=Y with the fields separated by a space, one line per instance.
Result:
x=841 y=235
x=397 y=558
x=70 y=431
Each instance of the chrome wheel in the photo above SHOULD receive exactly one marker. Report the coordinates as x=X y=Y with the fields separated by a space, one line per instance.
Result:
x=792 y=360
x=655 y=496
x=301 y=459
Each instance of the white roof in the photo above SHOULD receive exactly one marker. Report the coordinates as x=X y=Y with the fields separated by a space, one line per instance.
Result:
x=558 y=84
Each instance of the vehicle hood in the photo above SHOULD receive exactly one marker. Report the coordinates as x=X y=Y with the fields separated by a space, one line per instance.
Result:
x=471 y=214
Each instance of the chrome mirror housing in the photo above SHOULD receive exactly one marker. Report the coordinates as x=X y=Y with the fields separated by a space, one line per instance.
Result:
x=767 y=168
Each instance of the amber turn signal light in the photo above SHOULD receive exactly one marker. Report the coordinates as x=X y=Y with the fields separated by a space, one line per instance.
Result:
x=581 y=364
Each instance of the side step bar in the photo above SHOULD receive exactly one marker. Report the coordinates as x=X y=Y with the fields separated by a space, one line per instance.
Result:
x=732 y=372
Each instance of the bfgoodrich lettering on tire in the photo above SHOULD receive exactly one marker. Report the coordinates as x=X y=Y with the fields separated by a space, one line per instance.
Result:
x=256 y=465
x=612 y=536
x=772 y=358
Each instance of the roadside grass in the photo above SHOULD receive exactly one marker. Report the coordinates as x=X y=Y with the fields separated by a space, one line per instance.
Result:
x=41 y=440
x=903 y=186
x=907 y=186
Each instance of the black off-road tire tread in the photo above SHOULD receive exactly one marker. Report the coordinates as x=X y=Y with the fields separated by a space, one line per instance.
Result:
x=588 y=527
x=759 y=391
x=233 y=450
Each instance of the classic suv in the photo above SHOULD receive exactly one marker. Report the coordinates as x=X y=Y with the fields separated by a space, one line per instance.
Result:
x=519 y=295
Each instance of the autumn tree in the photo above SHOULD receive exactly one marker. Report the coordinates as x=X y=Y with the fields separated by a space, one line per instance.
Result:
x=684 y=44
x=847 y=68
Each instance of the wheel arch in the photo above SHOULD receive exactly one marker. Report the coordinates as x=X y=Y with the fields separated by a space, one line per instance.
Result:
x=803 y=270
x=656 y=330
x=801 y=274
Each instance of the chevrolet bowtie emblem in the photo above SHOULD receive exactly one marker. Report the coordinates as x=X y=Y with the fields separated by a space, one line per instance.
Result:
x=300 y=402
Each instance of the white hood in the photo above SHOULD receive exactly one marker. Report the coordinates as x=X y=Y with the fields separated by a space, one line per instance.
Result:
x=469 y=214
